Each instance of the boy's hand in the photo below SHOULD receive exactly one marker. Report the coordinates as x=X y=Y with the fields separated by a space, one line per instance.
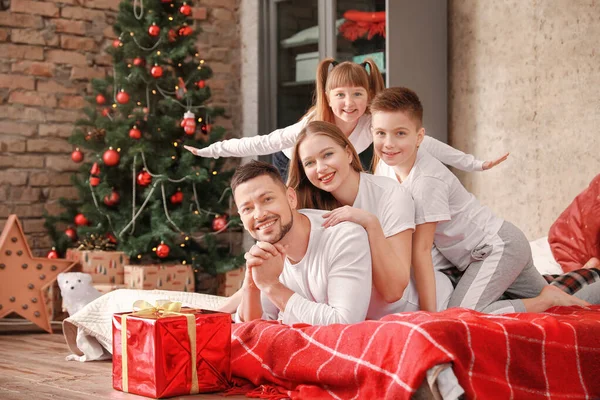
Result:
x=491 y=164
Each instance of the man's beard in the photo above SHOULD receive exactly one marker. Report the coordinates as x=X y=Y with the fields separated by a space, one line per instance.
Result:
x=284 y=230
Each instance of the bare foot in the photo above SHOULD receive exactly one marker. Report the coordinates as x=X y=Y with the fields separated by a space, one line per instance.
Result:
x=592 y=263
x=557 y=297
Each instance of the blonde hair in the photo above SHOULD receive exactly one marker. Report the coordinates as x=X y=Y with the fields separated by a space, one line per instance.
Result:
x=308 y=195
x=397 y=99
x=346 y=73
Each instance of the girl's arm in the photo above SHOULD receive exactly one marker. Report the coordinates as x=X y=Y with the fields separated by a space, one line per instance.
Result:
x=423 y=265
x=275 y=141
x=390 y=257
x=456 y=158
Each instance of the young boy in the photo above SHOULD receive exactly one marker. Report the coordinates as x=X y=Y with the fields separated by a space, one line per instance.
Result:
x=493 y=255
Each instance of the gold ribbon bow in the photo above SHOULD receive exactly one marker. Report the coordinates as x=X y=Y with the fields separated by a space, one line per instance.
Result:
x=163 y=308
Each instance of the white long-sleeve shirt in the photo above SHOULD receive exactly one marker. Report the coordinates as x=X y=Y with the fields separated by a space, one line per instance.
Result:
x=361 y=138
x=332 y=282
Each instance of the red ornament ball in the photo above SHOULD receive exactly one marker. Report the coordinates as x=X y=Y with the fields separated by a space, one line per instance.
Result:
x=185 y=9
x=111 y=157
x=139 y=62
x=154 y=30
x=122 y=97
x=172 y=35
x=112 y=199
x=105 y=112
x=144 y=178
x=135 y=133
x=94 y=181
x=156 y=71
x=162 y=250
x=185 y=31
x=77 y=156
x=52 y=254
x=111 y=238
x=219 y=223
x=95 y=170
x=177 y=197
x=116 y=43
x=201 y=84
x=100 y=99
x=71 y=234
x=81 y=220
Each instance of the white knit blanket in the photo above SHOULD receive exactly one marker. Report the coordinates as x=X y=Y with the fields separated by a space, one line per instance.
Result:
x=89 y=332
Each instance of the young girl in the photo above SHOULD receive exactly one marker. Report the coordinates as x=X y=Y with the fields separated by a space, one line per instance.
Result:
x=326 y=173
x=493 y=255
x=343 y=92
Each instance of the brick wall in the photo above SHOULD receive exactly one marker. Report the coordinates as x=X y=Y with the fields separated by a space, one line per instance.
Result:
x=49 y=51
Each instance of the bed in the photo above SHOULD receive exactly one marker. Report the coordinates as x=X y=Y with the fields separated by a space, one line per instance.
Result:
x=435 y=355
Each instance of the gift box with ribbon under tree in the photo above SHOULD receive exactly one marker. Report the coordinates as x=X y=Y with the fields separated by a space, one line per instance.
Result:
x=97 y=257
x=177 y=277
x=165 y=350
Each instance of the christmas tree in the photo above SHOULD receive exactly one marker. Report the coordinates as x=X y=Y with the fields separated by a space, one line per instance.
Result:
x=139 y=190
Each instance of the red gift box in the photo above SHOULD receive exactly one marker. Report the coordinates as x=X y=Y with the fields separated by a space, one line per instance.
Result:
x=153 y=352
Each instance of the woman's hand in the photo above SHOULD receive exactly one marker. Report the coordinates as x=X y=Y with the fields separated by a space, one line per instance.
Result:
x=491 y=164
x=351 y=214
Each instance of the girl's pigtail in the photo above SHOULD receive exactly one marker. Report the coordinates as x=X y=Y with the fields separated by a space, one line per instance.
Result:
x=376 y=82
x=322 y=110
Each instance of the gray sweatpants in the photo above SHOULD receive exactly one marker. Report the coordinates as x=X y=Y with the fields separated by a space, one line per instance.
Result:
x=503 y=267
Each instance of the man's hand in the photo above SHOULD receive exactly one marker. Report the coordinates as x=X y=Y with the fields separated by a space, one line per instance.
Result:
x=491 y=164
x=265 y=262
x=347 y=213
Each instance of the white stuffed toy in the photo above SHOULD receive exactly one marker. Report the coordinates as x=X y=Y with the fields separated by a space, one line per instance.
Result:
x=76 y=290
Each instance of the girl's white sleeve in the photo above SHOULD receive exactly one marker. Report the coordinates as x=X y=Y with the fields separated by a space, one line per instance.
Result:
x=451 y=156
x=275 y=141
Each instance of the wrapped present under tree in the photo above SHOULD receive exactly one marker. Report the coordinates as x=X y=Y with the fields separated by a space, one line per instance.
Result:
x=167 y=351
x=177 y=277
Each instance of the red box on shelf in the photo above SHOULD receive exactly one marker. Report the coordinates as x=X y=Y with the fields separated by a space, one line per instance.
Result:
x=154 y=355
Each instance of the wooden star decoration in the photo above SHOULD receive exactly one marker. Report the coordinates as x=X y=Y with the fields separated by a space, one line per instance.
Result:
x=23 y=278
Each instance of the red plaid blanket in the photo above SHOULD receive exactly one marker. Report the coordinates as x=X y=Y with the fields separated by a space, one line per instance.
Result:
x=550 y=355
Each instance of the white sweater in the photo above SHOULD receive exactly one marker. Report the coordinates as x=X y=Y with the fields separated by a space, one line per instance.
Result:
x=361 y=138
x=332 y=282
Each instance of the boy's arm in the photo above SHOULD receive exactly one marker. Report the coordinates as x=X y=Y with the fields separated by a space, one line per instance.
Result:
x=456 y=158
x=423 y=265
x=277 y=140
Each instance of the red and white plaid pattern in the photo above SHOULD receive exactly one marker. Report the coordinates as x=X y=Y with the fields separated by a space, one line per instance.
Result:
x=514 y=356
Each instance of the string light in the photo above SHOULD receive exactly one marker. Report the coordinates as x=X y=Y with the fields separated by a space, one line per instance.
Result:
x=158 y=53
x=139 y=103
x=187 y=238
x=196 y=212
x=172 y=157
x=128 y=65
x=175 y=144
x=200 y=119
x=114 y=105
x=153 y=91
x=201 y=61
x=139 y=256
x=182 y=244
x=170 y=18
x=183 y=262
x=130 y=33
x=154 y=249
x=196 y=55
x=176 y=87
x=179 y=65
x=214 y=172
